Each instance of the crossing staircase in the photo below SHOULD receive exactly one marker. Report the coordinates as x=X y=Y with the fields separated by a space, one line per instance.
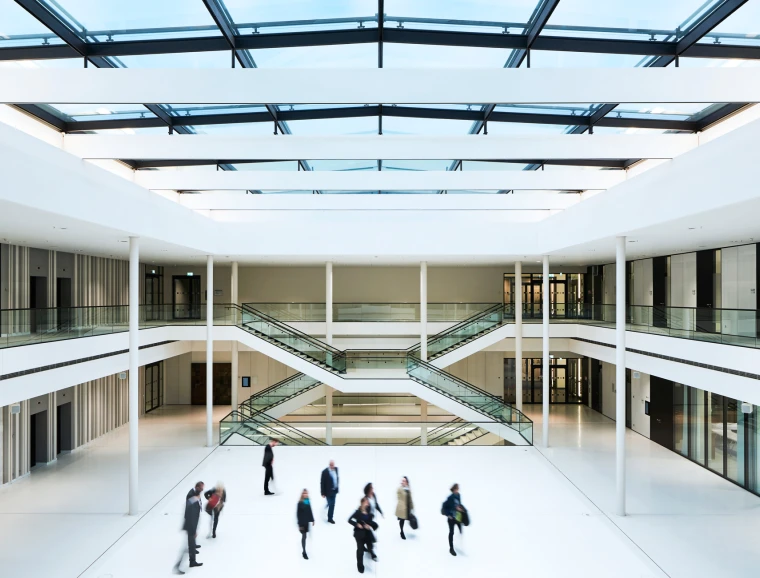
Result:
x=327 y=365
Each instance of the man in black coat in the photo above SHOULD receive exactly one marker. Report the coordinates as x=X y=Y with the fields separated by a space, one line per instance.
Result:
x=329 y=485
x=268 y=465
x=192 y=516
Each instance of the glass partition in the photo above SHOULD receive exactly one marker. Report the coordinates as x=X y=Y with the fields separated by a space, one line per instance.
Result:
x=369 y=312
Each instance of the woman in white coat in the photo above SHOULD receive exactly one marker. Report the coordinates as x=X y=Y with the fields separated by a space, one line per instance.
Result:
x=405 y=505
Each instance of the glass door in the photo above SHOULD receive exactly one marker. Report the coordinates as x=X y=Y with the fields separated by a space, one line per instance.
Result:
x=154 y=391
x=154 y=295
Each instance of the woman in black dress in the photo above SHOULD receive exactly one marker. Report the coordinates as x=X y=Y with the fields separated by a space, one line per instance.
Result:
x=304 y=516
x=363 y=523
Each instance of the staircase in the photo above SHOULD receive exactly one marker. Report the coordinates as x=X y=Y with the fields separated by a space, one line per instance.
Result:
x=254 y=420
x=465 y=332
x=259 y=429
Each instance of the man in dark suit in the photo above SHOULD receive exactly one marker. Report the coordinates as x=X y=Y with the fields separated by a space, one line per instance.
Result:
x=268 y=465
x=192 y=515
x=329 y=484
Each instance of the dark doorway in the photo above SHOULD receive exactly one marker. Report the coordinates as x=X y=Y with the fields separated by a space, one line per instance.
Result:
x=706 y=321
x=63 y=301
x=63 y=427
x=222 y=384
x=154 y=294
x=37 y=438
x=596 y=385
x=186 y=297
x=38 y=296
x=661 y=411
x=154 y=386
x=659 y=291
x=628 y=398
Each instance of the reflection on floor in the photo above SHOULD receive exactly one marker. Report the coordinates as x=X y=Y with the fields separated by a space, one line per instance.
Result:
x=535 y=512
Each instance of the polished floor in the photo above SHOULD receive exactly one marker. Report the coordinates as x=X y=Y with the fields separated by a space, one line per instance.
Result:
x=535 y=511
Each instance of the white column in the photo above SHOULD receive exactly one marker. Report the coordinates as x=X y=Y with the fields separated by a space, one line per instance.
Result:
x=423 y=311
x=545 y=367
x=209 y=350
x=423 y=419
x=328 y=414
x=134 y=363
x=329 y=303
x=235 y=353
x=518 y=335
x=620 y=374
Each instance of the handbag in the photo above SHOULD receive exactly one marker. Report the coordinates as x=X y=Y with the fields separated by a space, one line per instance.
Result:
x=413 y=521
x=465 y=517
x=212 y=503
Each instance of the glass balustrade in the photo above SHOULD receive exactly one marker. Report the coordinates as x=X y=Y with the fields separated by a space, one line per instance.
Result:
x=370 y=312
x=469 y=395
x=311 y=431
x=278 y=393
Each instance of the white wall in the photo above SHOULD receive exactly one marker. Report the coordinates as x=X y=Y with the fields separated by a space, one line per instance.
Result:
x=639 y=395
x=738 y=289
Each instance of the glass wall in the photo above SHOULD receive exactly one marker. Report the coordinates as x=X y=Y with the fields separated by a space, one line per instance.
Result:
x=714 y=431
x=565 y=293
x=567 y=380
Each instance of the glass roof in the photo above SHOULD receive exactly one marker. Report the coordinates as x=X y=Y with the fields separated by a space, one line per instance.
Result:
x=440 y=33
x=108 y=20
x=624 y=19
x=19 y=28
x=742 y=27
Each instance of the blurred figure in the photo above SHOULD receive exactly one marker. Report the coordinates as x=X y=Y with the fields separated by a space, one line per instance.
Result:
x=374 y=505
x=404 y=506
x=215 y=500
x=454 y=512
x=304 y=516
x=192 y=515
x=269 y=465
x=363 y=523
x=196 y=490
x=329 y=485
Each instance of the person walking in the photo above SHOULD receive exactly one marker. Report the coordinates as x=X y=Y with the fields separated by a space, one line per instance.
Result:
x=304 y=516
x=329 y=485
x=374 y=505
x=190 y=526
x=454 y=512
x=269 y=465
x=363 y=522
x=196 y=490
x=216 y=497
x=404 y=505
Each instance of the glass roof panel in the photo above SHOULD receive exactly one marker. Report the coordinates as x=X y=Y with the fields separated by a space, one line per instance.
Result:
x=670 y=111
x=333 y=126
x=424 y=126
x=421 y=55
x=206 y=109
x=477 y=12
x=559 y=109
x=491 y=166
x=713 y=62
x=642 y=20
x=417 y=165
x=343 y=165
x=53 y=63
x=79 y=112
x=742 y=27
x=278 y=16
x=241 y=129
x=634 y=130
x=268 y=166
x=109 y=20
x=511 y=128
x=19 y=28
x=179 y=60
x=336 y=56
x=557 y=59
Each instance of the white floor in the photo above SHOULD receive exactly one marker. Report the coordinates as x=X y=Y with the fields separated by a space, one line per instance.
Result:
x=535 y=512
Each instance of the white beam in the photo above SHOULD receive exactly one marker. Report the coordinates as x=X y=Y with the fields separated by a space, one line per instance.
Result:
x=465 y=202
x=384 y=85
x=467 y=147
x=188 y=180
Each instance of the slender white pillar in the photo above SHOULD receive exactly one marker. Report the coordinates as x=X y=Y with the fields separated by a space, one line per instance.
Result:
x=423 y=311
x=423 y=419
x=235 y=353
x=545 y=366
x=518 y=335
x=209 y=350
x=328 y=414
x=134 y=363
x=620 y=374
x=329 y=303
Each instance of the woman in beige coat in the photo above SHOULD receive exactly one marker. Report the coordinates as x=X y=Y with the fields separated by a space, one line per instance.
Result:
x=405 y=504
